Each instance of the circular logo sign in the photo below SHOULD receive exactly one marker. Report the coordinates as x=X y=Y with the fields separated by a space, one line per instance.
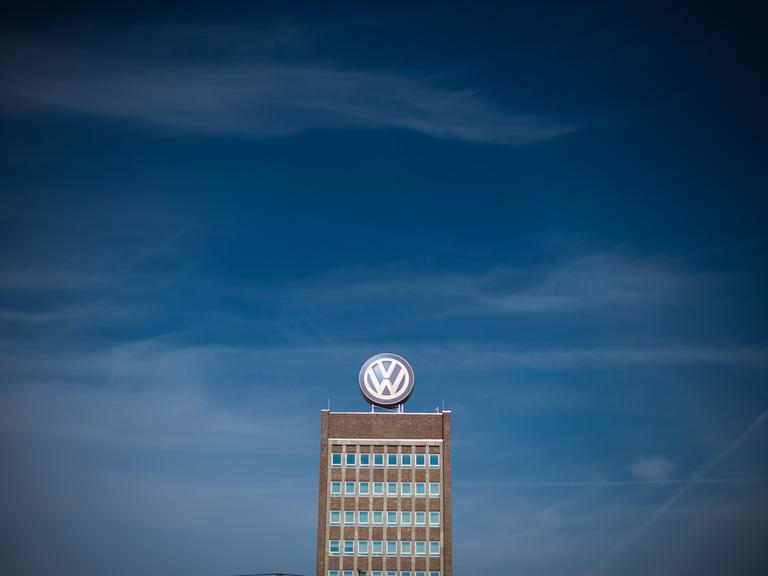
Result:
x=386 y=379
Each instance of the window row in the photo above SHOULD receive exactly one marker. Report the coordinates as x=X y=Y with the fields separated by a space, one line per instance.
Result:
x=376 y=518
x=393 y=488
x=363 y=460
x=381 y=573
x=383 y=547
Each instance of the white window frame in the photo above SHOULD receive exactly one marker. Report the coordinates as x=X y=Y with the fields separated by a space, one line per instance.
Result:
x=348 y=573
x=391 y=548
x=381 y=516
x=350 y=456
x=416 y=518
x=367 y=486
x=403 y=490
x=431 y=547
x=378 y=492
x=406 y=544
x=403 y=457
x=423 y=458
x=378 y=456
x=351 y=548
x=410 y=518
x=391 y=455
x=391 y=492
x=360 y=520
x=346 y=486
x=423 y=546
x=373 y=548
x=333 y=456
x=362 y=547
x=333 y=573
x=429 y=460
x=438 y=518
x=330 y=547
x=433 y=485
x=391 y=515
x=349 y=514
x=338 y=517
x=360 y=459
x=423 y=489
x=337 y=492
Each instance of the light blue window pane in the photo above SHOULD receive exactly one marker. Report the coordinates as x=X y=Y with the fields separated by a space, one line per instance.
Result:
x=434 y=489
x=407 y=519
x=333 y=573
x=406 y=488
x=392 y=460
x=421 y=574
x=349 y=488
x=335 y=517
x=378 y=460
x=351 y=459
x=420 y=458
x=349 y=547
x=336 y=488
x=336 y=460
x=420 y=518
x=406 y=548
x=333 y=547
x=391 y=548
x=434 y=518
x=391 y=488
x=391 y=573
x=365 y=460
x=421 y=548
x=363 y=520
x=348 y=573
x=405 y=573
x=376 y=573
x=434 y=574
x=349 y=517
x=362 y=548
x=434 y=548
x=434 y=460
x=378 y=517
x=378 y=488
x=376 y=547
x=364 y=488
x=406 y=460
x=392 y=518
x=420 y=488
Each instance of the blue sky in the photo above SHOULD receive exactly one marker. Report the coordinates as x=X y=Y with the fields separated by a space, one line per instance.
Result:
x=212 y=215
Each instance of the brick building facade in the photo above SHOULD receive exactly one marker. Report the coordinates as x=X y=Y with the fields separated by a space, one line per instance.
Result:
x=385 y=494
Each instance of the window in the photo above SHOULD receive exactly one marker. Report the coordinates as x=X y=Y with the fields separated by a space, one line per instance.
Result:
x=391 y=518
x=420 y=518
x=348 y=573
x=351 y=458
x=421 y=573
x=362 y=548
x=391 y=573
x=406 y=460
x=420 y=488
x=406 y=518
x=405 y=489
x=363 y=518
x=376 y=573
x=349 y=488
x=420 y=460
x=391 y=547
x=365 y=460
x=391 y=488
x=336 y=460
x=335 y=488
x=434 y=460
x=376 y=547
x=434 y=489
x=378 y=518
x=349 y=517
x=434 y=518
x=405 y=573
x=406 y=548
x=333 y=547
x=378 y=488
x=364 y=489
x=378 y=460
x=434 y=574
x=392 y=460
x=434 y=548
x=333 y=573
x=421 y=548
x=335 y=517
x=349 y=547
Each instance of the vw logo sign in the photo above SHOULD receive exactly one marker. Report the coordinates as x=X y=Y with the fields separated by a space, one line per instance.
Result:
x=386 y=379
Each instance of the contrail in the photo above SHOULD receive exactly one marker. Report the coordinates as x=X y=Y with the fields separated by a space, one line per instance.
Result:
x=696 y=478
x=609 y=483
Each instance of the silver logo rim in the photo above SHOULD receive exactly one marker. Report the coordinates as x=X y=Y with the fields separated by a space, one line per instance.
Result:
x=386 y=379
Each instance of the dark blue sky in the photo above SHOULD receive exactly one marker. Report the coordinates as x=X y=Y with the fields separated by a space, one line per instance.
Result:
x=212 y=214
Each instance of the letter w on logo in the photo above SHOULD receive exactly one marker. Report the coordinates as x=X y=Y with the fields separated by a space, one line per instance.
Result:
x=386 y=382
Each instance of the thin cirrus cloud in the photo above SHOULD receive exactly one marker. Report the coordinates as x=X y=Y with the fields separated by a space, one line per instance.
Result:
x=258 y=98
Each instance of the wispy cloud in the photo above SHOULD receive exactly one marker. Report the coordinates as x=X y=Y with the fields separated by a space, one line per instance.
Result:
x=260 y=98
x=652 y=469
